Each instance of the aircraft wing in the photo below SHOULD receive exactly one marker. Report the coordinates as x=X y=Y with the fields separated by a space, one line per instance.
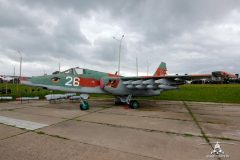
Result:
x=170 y=77
x=188 y=77
x=160 y=82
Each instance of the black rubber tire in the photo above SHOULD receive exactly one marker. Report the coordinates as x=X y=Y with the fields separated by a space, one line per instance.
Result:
x=134 y=104
x=84 y=106
x=117 y=101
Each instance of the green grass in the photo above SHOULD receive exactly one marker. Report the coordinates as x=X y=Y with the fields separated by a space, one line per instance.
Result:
x=227 y=93
x=24 y=91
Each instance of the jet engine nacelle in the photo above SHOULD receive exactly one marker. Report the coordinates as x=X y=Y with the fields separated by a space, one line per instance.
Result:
x=112 y=85
x=109 y=81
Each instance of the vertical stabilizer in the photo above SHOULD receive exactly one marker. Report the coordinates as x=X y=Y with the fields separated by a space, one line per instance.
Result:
x=161 y=70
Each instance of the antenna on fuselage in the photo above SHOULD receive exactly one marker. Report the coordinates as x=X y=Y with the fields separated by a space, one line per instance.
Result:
x=13 y=74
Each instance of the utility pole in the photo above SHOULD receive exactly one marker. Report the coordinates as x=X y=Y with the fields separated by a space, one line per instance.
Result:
x=13 y=74
x=59 y=65
x=20 y=70
x=147 y=67
x=20 y=73
x=119 y=52
x=137 y=66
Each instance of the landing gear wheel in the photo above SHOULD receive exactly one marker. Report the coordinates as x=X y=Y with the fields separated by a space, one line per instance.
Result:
x=134 y=104
x=84 y=106
x=117 y=101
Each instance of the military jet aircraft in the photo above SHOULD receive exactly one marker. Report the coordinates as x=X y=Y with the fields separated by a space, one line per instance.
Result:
x=88 y=81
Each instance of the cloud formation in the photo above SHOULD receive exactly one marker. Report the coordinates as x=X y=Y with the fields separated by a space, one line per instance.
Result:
x=191 y=36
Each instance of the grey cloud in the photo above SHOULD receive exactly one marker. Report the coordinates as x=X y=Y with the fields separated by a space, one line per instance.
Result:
x=39 y=45
x=105 y=49
x=178 y=32
x=13 y=15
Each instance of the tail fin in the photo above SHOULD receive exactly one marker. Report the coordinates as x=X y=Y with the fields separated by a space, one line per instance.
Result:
x=161 y=70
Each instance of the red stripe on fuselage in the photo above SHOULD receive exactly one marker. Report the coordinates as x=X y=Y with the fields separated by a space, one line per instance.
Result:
x=89 y=82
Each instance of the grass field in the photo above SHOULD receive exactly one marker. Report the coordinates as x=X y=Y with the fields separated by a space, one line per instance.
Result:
x=22 y=91
x=227 y=93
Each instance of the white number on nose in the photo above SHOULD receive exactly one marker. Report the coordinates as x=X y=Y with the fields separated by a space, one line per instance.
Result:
x=76 y=81
x=69 y=82
x=72 y=81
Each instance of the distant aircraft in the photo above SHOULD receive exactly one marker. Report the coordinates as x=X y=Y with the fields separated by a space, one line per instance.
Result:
x=216 y=77
x=87 y=81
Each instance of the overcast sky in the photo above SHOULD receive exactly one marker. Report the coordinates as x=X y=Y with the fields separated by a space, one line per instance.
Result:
x=191 y=36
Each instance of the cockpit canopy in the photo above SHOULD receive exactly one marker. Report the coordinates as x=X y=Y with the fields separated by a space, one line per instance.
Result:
x=75 y=71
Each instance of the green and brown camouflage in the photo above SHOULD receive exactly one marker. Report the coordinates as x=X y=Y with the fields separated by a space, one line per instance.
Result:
x=90 y=81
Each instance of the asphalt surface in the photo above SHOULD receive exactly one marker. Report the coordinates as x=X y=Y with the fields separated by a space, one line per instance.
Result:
x=158 y=130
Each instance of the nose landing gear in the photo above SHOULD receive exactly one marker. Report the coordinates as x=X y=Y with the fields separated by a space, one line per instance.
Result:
x=84 y=105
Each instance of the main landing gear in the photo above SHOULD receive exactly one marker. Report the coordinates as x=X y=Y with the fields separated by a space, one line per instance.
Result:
x=83 y=102
x=134 y=104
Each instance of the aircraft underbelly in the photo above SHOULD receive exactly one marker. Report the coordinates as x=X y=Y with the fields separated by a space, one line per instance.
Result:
x=134 y=92
x=79 y=90
x=70 y=89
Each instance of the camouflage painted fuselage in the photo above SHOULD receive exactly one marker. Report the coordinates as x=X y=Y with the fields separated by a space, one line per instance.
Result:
x=70 y=81
x=90 y=81
x=87 y=81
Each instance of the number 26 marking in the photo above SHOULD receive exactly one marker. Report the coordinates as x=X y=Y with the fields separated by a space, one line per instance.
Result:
x=72 y=81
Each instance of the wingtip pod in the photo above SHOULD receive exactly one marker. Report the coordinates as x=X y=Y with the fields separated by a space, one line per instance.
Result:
x=161 y=70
